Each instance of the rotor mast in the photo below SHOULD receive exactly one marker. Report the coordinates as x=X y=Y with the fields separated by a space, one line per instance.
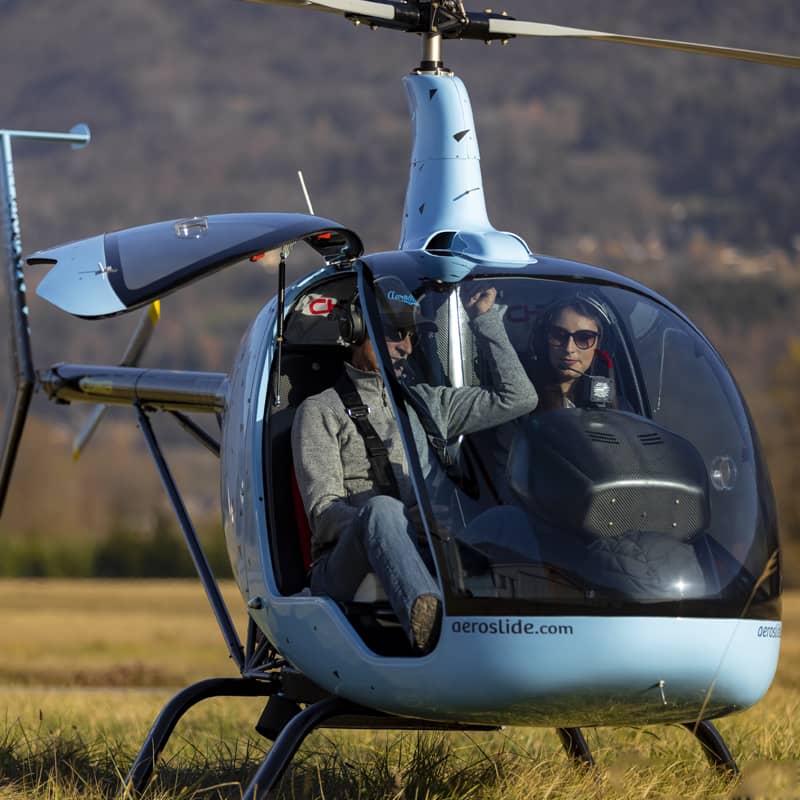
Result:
x=445 y=207
x=431 y=53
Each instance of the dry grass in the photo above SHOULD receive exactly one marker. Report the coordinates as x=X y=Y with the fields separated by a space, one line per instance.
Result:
x=111 y=633
x=71 y=737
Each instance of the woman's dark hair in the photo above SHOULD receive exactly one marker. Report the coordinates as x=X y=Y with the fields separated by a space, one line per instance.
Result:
x=586 y=308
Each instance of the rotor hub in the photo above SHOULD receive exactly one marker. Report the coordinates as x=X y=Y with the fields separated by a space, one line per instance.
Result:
x=447 y=18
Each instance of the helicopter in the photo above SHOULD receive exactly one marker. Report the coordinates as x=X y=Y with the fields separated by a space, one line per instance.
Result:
x=626 y=465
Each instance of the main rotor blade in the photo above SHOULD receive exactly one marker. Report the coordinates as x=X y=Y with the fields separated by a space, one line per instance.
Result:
x=365 y=8
x=518 y=28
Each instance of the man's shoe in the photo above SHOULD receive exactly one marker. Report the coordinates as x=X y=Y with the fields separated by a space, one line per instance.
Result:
x=426 y=621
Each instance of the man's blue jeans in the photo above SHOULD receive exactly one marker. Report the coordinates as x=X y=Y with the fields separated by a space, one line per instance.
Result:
x=381 y=540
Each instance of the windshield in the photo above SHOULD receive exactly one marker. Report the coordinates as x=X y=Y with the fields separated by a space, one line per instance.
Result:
x=578 y=447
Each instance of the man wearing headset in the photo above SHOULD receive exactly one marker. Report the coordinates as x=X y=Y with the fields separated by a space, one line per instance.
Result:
x=360 y=506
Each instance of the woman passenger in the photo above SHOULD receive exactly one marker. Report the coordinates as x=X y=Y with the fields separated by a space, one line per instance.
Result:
x=565 y=348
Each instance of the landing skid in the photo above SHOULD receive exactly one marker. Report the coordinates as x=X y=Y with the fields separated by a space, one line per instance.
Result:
x=576 y=746
x=289 y=724
x=142 y=769
x=713 y=745
x=289 y=727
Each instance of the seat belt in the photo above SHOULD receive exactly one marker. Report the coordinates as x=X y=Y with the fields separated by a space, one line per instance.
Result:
x=377 y=453
x=435 y=438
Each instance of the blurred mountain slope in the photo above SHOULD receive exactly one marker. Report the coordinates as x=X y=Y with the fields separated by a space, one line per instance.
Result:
x=209 y=105
x=204 y=106
x=678 y=170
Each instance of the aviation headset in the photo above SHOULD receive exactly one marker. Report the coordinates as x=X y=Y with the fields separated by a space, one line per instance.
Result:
x=352 y=328
x=394 y=300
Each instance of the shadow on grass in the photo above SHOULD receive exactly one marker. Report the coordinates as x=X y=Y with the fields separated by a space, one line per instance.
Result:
x=63 y=765
x=408 y=767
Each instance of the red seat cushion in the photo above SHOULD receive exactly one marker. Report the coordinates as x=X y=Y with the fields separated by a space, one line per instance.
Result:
x=605 y=357
x=303 y=528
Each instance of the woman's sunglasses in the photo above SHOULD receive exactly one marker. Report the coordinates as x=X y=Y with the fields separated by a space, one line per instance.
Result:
x=584 y=340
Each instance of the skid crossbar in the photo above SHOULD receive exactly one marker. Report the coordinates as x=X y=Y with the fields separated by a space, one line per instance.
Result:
x=142 y=769
x=289 y=740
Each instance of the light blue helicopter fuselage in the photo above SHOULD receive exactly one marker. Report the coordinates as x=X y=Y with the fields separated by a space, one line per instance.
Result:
x=555 y=669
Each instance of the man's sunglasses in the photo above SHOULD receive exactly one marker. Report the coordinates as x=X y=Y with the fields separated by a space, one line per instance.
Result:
x=393 y=334
x=584 y=340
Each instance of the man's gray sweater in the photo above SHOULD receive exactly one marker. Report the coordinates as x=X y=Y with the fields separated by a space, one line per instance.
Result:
x=330 y=459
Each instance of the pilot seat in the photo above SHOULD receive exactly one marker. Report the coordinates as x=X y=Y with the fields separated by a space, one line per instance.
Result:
x=311 y=361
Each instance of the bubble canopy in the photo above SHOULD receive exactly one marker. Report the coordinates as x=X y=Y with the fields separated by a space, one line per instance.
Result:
x=636 y=486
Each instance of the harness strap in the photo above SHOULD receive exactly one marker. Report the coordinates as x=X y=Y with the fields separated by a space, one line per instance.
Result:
x=435 y=438
x=377 y=453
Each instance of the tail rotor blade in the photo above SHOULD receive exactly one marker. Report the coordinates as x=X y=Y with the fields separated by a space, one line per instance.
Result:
x=87 y=430
x=133 y=352
x=142 y=335
x=20 y=336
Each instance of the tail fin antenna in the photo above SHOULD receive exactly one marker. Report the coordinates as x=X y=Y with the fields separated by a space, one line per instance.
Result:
x=305 y=192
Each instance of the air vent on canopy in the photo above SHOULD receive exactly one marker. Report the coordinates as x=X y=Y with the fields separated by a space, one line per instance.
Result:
x=602 y=438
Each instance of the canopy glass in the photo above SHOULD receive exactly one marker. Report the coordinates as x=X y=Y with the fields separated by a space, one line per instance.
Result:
x=633 y=485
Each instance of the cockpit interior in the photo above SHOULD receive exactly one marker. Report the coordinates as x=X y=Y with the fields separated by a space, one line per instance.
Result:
x=636 y=486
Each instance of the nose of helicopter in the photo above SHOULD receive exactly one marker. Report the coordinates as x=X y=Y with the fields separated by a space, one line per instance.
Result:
x=563 y=671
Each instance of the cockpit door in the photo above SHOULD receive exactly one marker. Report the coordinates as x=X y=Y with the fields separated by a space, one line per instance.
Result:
x=113 y=273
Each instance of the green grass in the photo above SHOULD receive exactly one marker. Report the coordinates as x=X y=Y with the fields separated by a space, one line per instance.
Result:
x=65 y=734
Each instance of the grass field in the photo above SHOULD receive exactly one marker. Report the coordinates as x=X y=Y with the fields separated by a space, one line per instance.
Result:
x=86 y=666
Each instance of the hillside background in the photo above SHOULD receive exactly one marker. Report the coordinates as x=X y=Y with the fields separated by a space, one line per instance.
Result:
x=678 y=171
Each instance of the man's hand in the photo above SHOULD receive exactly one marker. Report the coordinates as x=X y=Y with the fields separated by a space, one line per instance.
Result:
x=479 y=301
